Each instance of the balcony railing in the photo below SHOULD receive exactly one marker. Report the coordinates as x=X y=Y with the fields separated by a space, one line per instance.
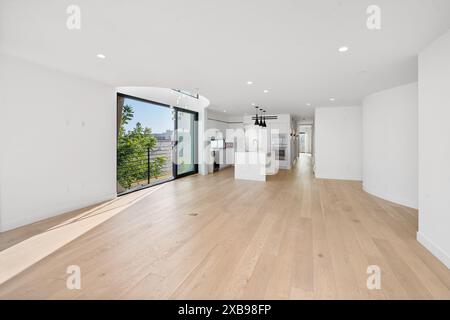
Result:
x=144 y=168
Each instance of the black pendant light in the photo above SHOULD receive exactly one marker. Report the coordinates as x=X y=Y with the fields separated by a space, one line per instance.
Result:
x=257 y=119
x=261 y=119
x=264 y=125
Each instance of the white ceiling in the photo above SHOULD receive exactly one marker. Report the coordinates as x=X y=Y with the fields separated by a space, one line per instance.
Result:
x=286 y=46
x=166 y=96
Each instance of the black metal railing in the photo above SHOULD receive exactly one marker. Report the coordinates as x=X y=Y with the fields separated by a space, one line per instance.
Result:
x=134 y=169
x=143 y=168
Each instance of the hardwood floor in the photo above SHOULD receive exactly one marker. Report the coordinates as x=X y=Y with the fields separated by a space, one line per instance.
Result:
x=293 y=237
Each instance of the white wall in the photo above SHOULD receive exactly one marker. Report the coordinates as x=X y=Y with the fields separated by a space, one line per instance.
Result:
x=58 y=142
x=338 y=143
x=434 y=148
x=219 y=126
x=390 y=144
x=216 y=127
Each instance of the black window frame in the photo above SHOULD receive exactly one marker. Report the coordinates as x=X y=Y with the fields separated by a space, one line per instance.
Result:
x=174 y=164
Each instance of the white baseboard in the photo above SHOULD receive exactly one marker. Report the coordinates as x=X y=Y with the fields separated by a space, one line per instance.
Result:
x=404 y=202
x=341 y=178
x=29 y=219
x=434 y=249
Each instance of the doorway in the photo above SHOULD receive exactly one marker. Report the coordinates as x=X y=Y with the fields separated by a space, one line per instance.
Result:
x=156 y=143
x=186 y=142
x=305 y=139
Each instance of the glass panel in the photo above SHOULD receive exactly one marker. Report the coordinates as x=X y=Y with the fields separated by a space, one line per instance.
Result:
x=186 y=147
x=144 y=145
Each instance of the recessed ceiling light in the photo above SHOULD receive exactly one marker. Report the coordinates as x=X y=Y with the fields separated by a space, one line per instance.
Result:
x=308 y=104
x=343 y=49
x=101 y=56
x=332 y=99
x=224 y=110
x=249 y=83
x=266 y=91
x=253 y=104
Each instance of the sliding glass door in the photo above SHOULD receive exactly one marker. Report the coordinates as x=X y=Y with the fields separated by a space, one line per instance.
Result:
x=156 y=143
x=186 y=137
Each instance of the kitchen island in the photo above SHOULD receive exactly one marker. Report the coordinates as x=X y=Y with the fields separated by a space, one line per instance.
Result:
x=253 y=166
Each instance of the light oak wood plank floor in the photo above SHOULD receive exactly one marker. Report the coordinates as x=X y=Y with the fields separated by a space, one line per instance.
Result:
x=293 y=237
